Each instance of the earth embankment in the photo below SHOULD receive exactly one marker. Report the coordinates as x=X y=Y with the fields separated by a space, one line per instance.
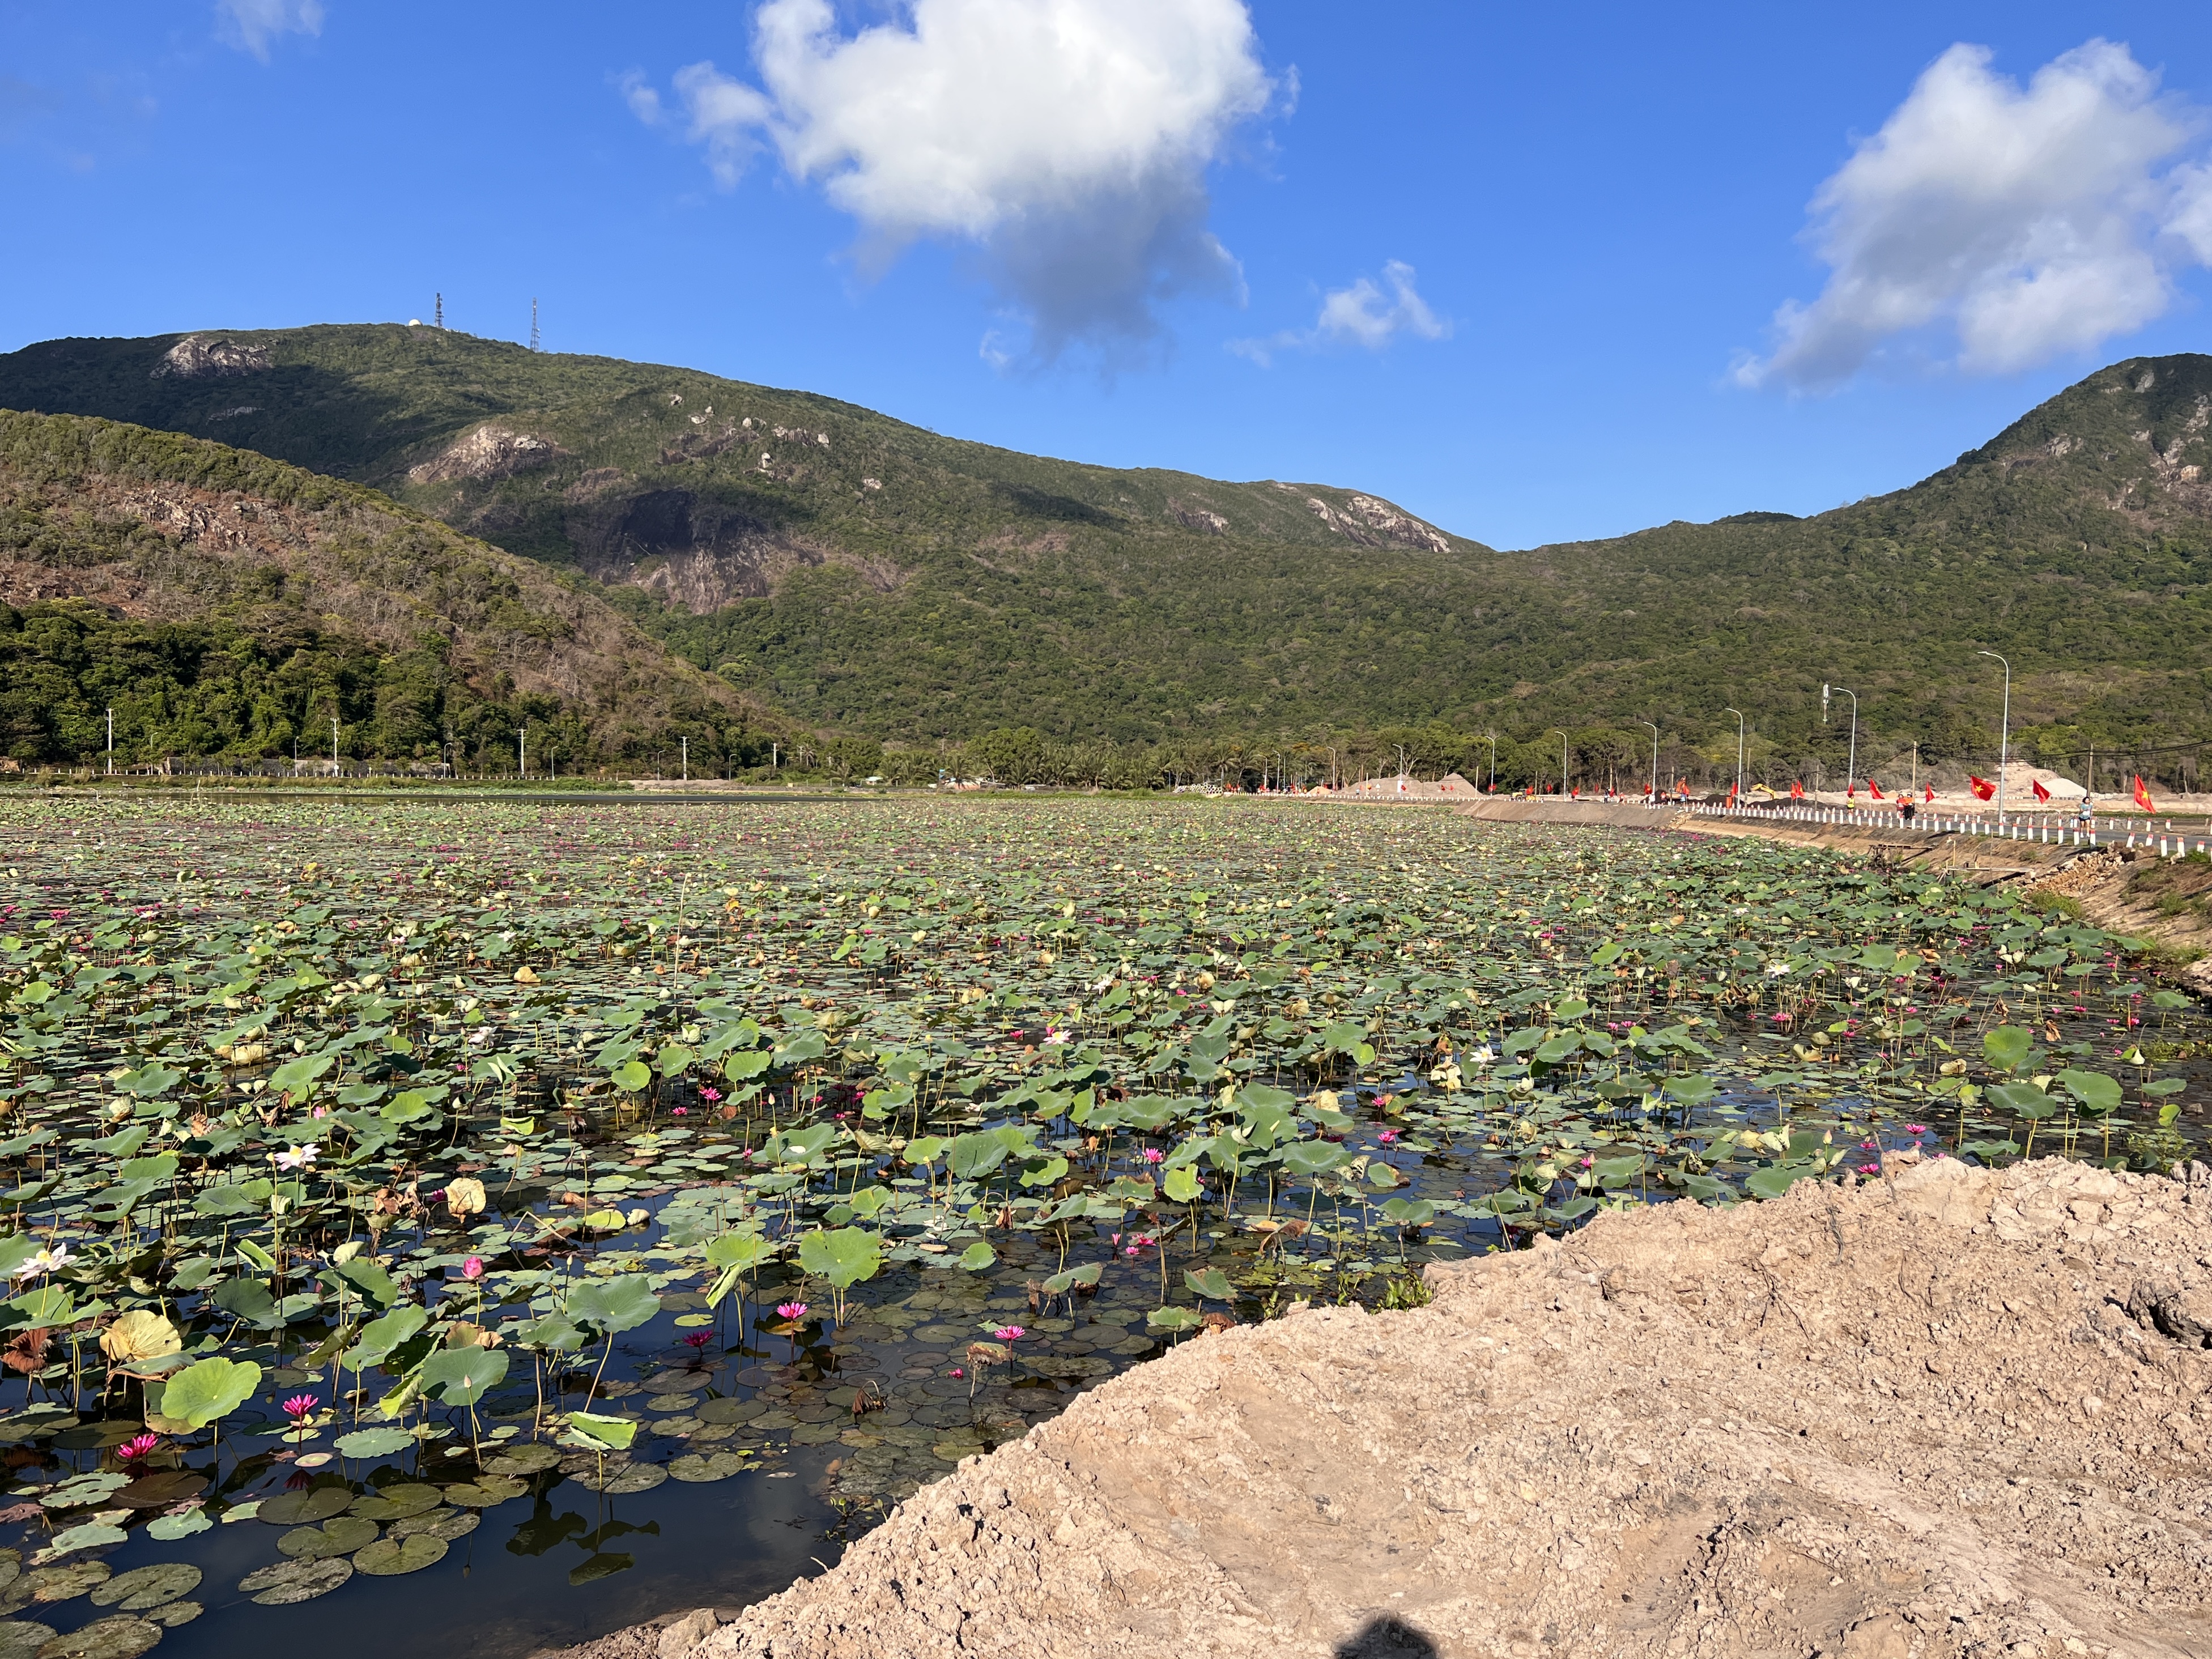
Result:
x=1949 y=1411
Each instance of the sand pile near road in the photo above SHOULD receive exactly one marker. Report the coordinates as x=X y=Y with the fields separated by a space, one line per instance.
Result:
x=1945 y=1412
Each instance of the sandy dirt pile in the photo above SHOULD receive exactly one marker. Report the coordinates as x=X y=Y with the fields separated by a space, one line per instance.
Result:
x=1948 y=1412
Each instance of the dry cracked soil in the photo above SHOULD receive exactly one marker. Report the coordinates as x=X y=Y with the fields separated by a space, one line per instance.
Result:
x=1948 y=1411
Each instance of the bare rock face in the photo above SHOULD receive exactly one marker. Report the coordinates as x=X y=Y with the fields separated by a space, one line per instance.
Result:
x=488 y=451
x=1198 y=519
x=696 y=552
x=1372 y=523
x=195 y=359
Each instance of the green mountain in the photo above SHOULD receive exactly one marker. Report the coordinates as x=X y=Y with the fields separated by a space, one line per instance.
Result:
x=875 y=578
x=225 y=605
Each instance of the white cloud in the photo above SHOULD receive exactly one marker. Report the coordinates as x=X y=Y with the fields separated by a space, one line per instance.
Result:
x=1068 y=139
x=1362 y=314
x=2026 y=221
x=250 y=25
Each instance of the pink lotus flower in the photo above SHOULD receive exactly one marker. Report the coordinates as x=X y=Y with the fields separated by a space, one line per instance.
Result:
x=793 y=1310
x=472 y=1269
x=137 y=1448
x=681 y=1110
x=1154 y=1154
x=1009 y=1332
x=957 y=1371
x=1915 y=1129
x=710 y=1094
x=298 y=1406
x=1388 y=1136
x=698 y=1338
x=1869 y=1169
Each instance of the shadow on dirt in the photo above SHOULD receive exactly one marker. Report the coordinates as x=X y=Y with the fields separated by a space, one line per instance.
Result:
x=1386 y=1638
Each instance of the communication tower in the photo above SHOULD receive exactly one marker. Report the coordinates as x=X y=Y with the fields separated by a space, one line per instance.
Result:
x=533 y=324
x=438 y=316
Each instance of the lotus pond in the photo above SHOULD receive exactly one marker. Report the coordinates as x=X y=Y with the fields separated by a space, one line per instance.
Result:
x=582 y=1211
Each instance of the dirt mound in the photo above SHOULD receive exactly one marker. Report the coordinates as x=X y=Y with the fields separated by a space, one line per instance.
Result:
x=1949 y=1411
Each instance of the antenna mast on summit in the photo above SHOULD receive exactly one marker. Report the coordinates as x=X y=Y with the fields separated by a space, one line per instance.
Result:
x=438 y=316
x=533 y=324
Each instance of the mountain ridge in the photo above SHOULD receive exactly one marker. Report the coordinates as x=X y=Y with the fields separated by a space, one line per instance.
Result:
x=869 y=575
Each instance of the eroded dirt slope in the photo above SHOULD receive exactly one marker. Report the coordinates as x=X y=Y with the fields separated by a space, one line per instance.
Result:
x=1949 y=1411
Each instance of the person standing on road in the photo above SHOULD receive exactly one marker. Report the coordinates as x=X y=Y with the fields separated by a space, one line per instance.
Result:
x=2086 y=811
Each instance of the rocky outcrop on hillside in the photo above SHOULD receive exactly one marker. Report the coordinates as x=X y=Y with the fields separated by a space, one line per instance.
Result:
x=196 y=359
x=492 y=451
x=1370 y=523
x=1947 y=1412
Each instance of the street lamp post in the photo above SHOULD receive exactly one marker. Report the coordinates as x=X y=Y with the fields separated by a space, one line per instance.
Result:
x=686 y=742
x=334 y=745
x=2004 y=730
x=1738 y=713
x=1562 y=760
x=1655 y=760
x=1493 y=742
x=1852 y=766
x=111 y=742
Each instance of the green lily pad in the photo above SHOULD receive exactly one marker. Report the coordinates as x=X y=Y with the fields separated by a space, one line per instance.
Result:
x=161 y=1489
x=729 y=1411
x=622 y=1478
x=64 y=1583
x=373 y=1443
x=170 y=1614
x=340 y=1535
x=397 y=1503
x=389 y=1556
x=170 y=1527
x=523 y=1460
x=148 y=1587
x=296 y=1508
x=288 y=1581
x=20 y=1639
x=486 y=1491
x=447 y=1524
x=119 y=1637
x=712 y=1466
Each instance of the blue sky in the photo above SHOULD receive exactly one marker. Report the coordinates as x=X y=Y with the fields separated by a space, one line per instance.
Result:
x=1518 y=269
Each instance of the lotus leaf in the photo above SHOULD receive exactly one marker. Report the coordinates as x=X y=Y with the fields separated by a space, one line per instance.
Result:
x=340 y=1535
x=696 y=1467
x=390 y=1557
x=396 y=1503
x=295 y=1509
x=282 y=1584
x=614 y=1305
x=373 y=1443
x=121 y=1636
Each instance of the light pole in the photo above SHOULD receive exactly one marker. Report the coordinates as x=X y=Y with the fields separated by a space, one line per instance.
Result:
x=334 y=745
x=1738 y=713
x=1401 y=748
x=1562 y=760
x=1493 y=742
x=686 y=753
x=522 y=754
x=111 y=742
x=1852 y=766
x=1655 y=760
x=2004 y=730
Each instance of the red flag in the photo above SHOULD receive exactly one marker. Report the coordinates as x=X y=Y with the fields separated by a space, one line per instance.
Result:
x=2142 y=795
x=1932 y=794
x=1983 y=788
x=1874 y=789
x=2041 y=793
x=1796 y=790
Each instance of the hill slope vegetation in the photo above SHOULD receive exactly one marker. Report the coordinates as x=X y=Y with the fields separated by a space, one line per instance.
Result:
x=226 y=605
x=868 y=575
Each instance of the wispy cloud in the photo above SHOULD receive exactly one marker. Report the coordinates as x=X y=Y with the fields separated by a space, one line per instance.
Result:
x=250 y=25
x=1994 y=226
x=1367 y=314
x=1066 y=140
